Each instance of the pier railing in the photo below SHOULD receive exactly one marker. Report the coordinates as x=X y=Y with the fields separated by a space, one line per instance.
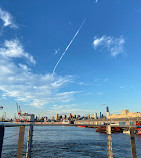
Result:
x=30 y=137
x=20 y=138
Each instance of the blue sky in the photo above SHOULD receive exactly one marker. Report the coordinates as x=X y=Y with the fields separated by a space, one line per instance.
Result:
x=101 y=65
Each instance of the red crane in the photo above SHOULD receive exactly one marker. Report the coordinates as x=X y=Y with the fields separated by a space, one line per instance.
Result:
x=20 y=117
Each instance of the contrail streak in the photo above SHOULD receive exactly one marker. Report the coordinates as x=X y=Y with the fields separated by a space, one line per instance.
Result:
x=68 y=47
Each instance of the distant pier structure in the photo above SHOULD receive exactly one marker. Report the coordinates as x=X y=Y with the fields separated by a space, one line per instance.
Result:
x=125 y=119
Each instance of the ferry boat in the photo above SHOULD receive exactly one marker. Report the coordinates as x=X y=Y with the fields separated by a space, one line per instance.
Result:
x=126 y=131
x=82 y=126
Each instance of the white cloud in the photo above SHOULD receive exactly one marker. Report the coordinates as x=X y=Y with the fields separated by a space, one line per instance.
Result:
x=63 y=107
x=100 y=93
x=106 y=79
x=14 y=49
x=56 y=51
x=70 y=23
x=121 y=87
x=114 y=45
x=7 y=19
x=35 y=89
x=19 y=82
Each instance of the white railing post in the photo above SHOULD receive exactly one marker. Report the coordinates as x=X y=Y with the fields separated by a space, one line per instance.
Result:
x=109 y=141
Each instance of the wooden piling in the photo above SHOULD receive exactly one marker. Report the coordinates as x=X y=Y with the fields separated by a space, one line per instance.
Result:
x=132 y=142
x=109 y=142
x=20 y=142
x=1 y=138
x=29 y=142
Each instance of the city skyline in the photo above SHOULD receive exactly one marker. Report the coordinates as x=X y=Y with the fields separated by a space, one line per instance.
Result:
x=71 y=57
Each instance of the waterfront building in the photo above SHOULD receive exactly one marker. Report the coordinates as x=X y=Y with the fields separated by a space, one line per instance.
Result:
x=52 y=118
x=78 y=116
x=41 y=119
x=45 y=119
x=113 y=121
x=95 y=116
x=125 y=114
x=36 y=118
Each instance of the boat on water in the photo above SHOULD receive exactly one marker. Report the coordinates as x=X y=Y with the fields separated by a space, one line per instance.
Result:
x=138 y=127
x=126 y=131
x=102 y=129
x=82 y=126
x=138 y=132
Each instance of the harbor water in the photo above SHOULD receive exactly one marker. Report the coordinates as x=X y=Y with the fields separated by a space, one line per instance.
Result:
x=68 y=142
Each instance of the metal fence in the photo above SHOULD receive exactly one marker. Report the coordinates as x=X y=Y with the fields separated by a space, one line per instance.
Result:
x=21 y=135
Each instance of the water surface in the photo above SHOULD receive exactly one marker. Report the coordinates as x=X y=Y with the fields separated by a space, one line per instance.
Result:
x=68 y=142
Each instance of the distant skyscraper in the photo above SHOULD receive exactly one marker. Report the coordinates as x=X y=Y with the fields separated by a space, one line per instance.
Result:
x=88 y=116
x=45 y=119
x=95 y=115
x=78 y=116
x=70 y=115
x=52 y=118
x=57 y=116
x=99 y=114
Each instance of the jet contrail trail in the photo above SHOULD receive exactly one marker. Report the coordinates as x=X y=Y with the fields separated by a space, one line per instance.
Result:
x=68 y=46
